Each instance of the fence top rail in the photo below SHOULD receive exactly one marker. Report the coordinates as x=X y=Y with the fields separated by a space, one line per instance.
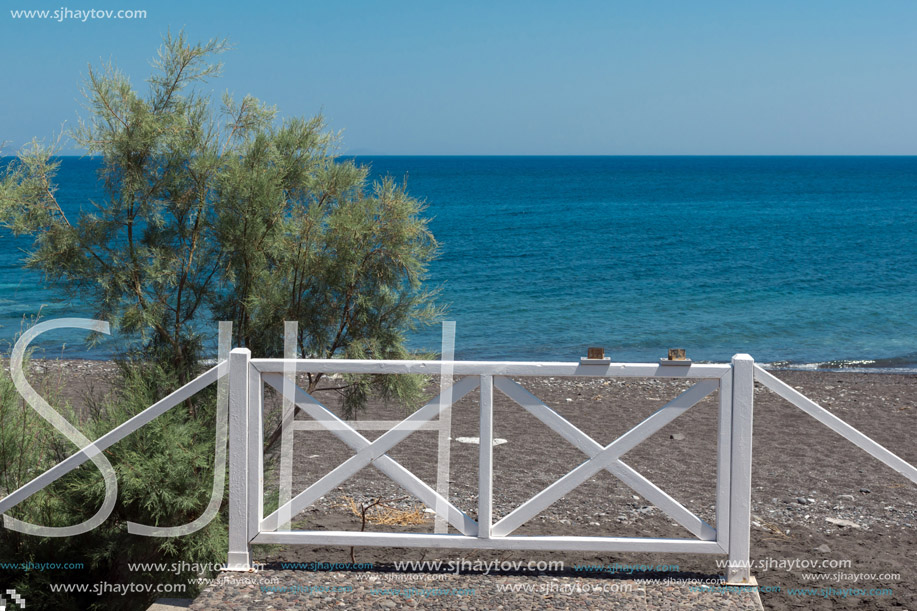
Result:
x=503 y=368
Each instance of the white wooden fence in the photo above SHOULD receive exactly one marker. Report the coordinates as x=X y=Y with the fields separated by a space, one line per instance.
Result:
x=735 y=382
x=248 y=525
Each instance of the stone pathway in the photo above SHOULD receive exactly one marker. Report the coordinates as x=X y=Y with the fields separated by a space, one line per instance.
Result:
x=288 y=590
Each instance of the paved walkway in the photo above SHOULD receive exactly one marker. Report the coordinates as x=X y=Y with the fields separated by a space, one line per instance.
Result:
x=285 y=589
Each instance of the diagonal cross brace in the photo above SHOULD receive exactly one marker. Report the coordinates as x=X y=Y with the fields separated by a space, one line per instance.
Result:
x=371 y=453
x=114 y=436
x=835 y=424
x=605 y=458
x=591 y=448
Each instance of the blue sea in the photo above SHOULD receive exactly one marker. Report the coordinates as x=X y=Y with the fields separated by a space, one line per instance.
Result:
x=802 y=261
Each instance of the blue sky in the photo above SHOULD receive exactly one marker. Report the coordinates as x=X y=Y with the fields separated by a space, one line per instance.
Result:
x=591 y=78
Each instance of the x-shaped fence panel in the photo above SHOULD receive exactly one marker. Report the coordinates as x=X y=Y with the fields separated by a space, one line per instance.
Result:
x=604 y=457
x=248 y=525
x=371 y=453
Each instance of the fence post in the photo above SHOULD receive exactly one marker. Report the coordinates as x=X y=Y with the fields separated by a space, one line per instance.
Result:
x=255 y=490
x=239 y=548
x=285 y=479
x=444 y=437
x=486 y=459
x=743 y=393
x=724 y=460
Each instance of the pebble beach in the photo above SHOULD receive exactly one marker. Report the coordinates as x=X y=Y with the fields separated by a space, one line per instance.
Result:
x=816 y=499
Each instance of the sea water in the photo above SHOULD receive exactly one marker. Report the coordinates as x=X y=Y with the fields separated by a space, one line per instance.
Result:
x=806 y=261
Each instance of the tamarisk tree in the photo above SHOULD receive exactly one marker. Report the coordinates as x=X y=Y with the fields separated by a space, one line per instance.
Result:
x=226 y=212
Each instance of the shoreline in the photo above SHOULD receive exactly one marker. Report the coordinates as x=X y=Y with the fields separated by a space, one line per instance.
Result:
x=863 y=366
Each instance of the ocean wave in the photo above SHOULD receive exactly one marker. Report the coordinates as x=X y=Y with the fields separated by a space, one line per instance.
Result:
x=906 y=364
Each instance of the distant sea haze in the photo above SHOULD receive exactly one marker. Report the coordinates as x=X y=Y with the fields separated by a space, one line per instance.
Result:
x=806 y=261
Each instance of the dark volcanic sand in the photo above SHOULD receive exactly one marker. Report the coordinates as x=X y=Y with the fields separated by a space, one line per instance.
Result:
x=803 y=474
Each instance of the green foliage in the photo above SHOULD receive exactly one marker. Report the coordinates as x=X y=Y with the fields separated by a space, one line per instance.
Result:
x=27 y=447
x=142 y=254
x=229 y=214
x=165 y=474
x=209 y=214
